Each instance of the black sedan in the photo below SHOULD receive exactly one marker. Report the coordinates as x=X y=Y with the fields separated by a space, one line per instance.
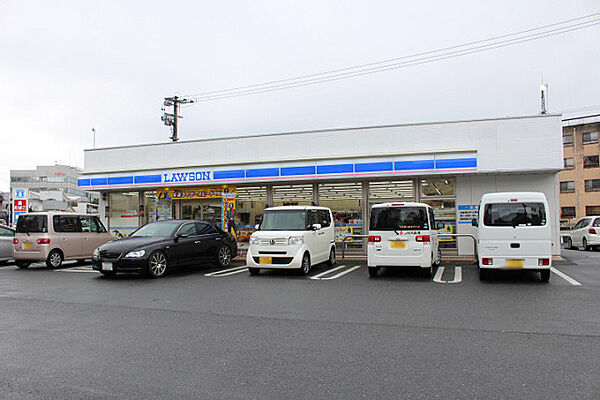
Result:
x=157 y=247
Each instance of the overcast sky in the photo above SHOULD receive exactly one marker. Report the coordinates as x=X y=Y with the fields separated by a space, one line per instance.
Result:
x=66 y=66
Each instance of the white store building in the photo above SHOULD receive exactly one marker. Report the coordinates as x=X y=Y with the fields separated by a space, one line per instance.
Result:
x=230 y=181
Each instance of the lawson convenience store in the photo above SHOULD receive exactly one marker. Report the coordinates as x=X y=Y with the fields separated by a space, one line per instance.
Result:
x=230 y=181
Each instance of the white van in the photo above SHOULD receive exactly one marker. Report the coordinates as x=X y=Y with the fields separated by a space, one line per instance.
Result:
x=403 y=234
x=292 y=237
x=514 y=233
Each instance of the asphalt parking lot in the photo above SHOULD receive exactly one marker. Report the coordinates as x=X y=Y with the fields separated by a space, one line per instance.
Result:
x=209 y=333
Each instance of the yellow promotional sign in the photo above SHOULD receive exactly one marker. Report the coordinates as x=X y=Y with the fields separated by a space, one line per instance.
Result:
x=212 y=192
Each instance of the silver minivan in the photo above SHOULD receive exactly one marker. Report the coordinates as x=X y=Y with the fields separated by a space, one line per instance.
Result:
x=54 y=237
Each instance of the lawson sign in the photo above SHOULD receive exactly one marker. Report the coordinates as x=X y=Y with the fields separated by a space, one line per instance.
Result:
x=326 y=169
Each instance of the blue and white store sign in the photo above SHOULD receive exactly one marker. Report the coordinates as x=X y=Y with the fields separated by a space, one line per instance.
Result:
x=382 y=166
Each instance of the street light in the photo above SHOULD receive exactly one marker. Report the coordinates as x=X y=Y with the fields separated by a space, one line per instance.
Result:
x=94 y=130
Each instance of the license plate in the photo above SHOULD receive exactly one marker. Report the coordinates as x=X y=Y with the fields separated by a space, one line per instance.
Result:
x=27 y=246
x=265 y=260
x=515 y=263
x=398 y=244
x=106 y=266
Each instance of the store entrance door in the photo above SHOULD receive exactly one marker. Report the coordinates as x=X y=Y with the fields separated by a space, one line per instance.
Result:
x=209 y=210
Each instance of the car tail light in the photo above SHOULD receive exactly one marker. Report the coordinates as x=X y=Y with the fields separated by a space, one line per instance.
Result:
x=43 y=241
x=423 y=238
x=374 y=239
x=543 y=261
x=592 y=231
x=487 y=261
x=397 y=204
x=15 y=241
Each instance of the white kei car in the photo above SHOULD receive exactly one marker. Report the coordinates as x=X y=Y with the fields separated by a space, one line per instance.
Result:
x=585 y=234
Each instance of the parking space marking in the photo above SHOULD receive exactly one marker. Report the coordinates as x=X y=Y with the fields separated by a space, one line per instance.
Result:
x=457 y=275
x=565 y=277
x=227 y=272
x=319 y=277
x=76 y=269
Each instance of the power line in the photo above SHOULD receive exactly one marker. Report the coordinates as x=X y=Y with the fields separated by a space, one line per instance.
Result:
x=492 y=43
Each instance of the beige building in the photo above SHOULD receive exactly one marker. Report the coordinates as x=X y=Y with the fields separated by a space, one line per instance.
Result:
x=580 y=179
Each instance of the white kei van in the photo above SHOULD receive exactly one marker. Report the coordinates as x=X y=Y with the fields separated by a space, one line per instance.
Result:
x=403 y=234
x=514 y=233
x=292 y=237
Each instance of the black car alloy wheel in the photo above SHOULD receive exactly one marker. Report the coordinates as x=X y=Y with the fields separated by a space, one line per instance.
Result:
x=224 y=256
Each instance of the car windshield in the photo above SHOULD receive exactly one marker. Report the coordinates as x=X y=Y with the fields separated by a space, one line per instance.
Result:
x=159 y=229
x=32 y=224
x=514 y=214
x=292 y=220
x=398 y=218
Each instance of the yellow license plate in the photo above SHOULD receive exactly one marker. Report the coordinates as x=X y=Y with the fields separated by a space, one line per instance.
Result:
x=515 y=263
x=398 y=244
x=27 y=246
x=265 y=260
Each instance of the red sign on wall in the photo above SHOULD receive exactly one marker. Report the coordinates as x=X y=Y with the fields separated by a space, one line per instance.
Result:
x=20 y=205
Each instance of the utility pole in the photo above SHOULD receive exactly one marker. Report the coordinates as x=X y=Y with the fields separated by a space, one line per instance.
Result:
x=171 y=119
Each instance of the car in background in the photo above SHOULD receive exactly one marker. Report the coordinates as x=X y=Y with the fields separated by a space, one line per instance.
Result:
x=403 y=234
x=585 y=234
x=6 y=242
x=55 y=237
x=292 y=237
x=514 y=233
x=157 y=247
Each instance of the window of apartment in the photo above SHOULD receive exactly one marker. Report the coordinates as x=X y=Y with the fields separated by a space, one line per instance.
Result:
x=568 y=140
x=592 y=210
x=567 y=212
x=591 y=162
x=567 y=187
x=569 y=162
x=590 y=137
x=592 y=185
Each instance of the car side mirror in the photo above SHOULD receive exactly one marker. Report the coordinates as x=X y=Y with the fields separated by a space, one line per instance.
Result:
x=179 y=236
x=474 y=222
x=316 y=227
x=256 y=226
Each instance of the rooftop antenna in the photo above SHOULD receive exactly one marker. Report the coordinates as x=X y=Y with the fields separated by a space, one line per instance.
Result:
x=544 y=96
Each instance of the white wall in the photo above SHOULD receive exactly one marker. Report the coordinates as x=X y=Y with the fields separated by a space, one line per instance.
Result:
x=503 y=145
x=470 y=188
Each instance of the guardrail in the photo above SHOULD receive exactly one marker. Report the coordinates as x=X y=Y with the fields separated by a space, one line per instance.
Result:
x=345 y=242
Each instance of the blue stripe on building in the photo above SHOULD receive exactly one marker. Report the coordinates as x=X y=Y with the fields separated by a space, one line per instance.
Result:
x=291 y=171
x=262 y=172
x=99 y=181
x=450 y=163
x=335 y=169
x=413 y=165
x=231 y=174
x=374 y=167
x=120 y=180
x=148 y=178
x=84 y=182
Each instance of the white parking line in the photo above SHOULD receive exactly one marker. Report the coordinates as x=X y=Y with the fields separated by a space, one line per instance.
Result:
x=227 y=272
x=565 y=277
x=338 y=275
x=76 y=269
x=457 y=275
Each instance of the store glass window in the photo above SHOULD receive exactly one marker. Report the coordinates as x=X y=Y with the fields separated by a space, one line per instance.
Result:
x=591 y=162
x=444 y=210
x=123 y=211
x=149 y=207
x=590 y=137
x=437 y=187
x=568 y=140
x=293 y=195
x=567 y=212
x=392 y=190
x=344 y=199
x=567 y=187
x=569 y=162
x=250 y=204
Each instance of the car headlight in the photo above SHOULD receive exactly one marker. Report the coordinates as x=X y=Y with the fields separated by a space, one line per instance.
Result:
x=295 y=240
x=135 y=254
x=96 y=253
x=253 y=240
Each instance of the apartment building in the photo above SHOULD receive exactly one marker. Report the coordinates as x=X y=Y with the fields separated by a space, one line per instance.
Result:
x=579 y=181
